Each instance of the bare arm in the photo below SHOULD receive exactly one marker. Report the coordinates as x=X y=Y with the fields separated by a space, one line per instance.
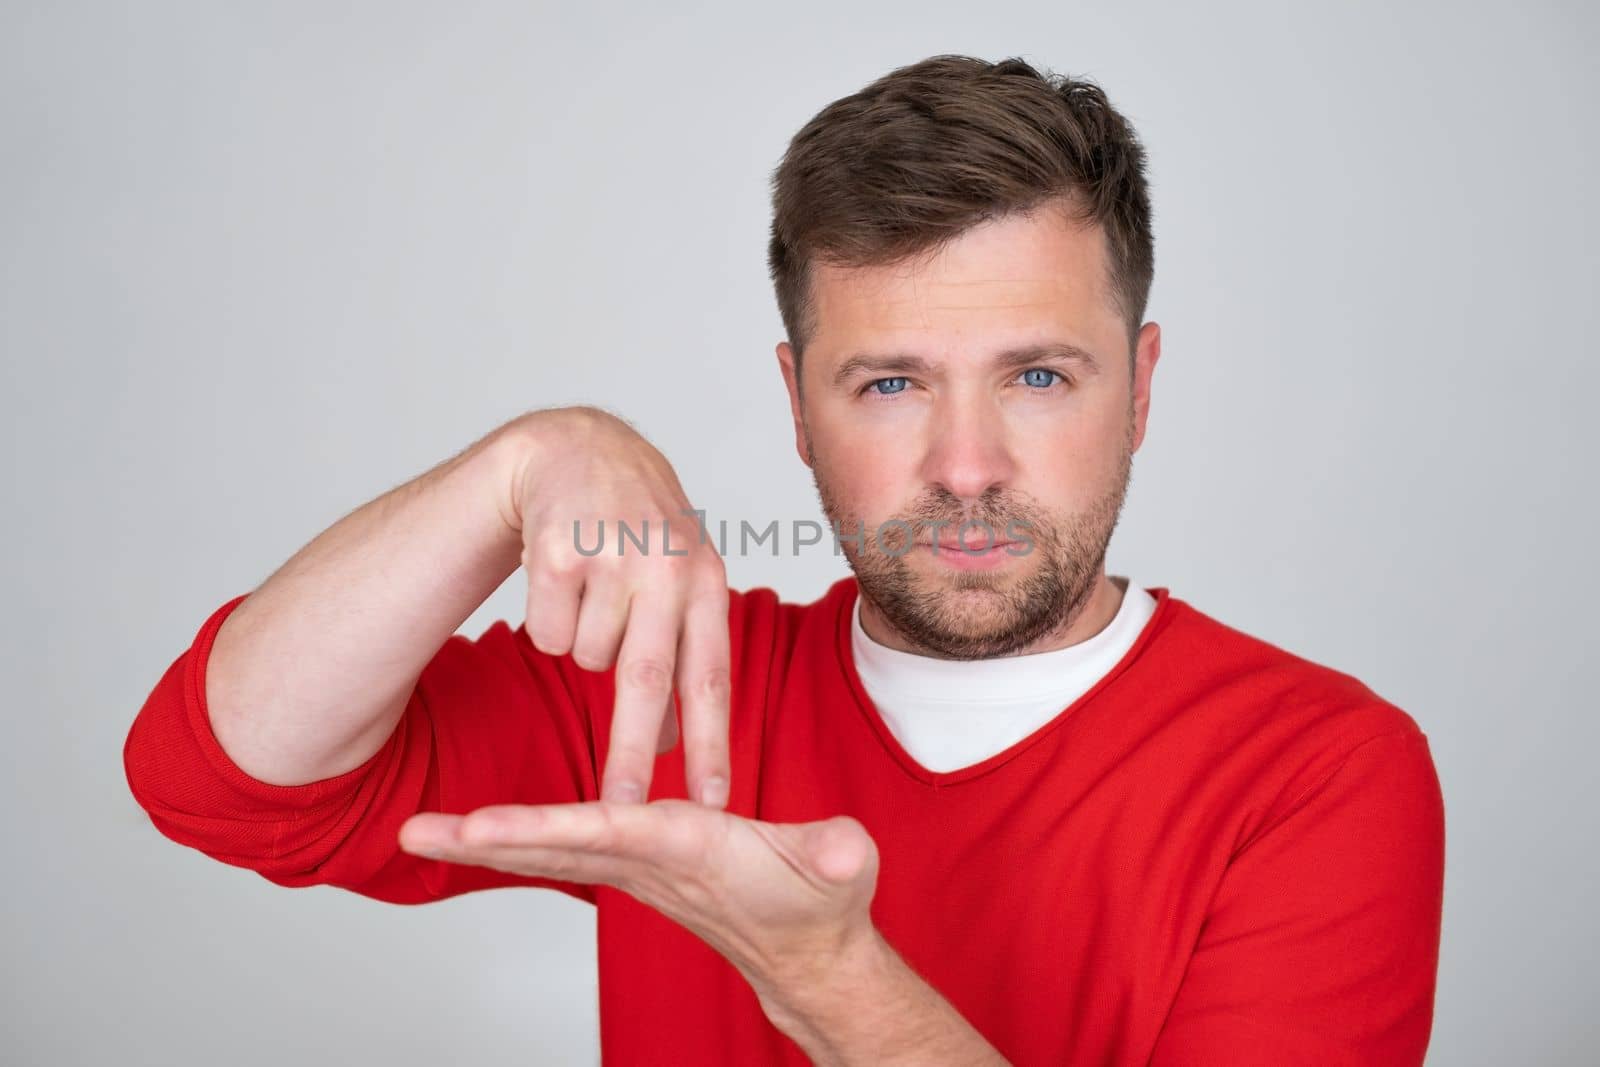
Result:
x=871 y=1007
x=310 y=674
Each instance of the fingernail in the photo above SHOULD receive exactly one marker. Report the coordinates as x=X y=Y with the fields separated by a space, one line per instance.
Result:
x=714 y=791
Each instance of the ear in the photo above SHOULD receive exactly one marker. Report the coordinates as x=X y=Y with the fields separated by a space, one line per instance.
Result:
x=1146 y=353
x=791 y=380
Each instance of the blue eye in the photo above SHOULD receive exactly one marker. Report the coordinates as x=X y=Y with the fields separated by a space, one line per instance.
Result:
x=1033 y=377
x=896 y=385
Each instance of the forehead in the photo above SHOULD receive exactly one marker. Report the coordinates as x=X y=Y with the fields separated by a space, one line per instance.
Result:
x=1006 y=279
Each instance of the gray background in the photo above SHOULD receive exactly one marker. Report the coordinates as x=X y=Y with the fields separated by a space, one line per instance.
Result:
x=259 y=263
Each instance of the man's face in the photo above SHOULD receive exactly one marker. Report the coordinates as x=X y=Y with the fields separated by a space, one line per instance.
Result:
x=946 y=390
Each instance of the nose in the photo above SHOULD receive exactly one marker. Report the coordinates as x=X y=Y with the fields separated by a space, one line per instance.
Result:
x=968 y=451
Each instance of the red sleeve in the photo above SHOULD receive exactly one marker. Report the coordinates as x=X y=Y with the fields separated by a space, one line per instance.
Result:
x=490 y=721
x=1321 y=945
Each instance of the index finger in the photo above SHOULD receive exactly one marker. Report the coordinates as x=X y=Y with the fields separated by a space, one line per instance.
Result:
x=705 y=689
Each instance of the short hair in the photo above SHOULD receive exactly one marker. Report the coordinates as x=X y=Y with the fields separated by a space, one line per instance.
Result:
x=930 y=150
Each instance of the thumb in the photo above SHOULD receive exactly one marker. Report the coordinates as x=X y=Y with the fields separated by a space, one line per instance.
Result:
x=841 y=850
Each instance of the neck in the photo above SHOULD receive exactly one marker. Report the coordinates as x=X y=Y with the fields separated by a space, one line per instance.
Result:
x=1093 y=614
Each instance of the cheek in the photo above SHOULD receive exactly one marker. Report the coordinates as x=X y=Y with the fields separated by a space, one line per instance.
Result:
x=868 y=482
x=866 y=452
x=1070 y=461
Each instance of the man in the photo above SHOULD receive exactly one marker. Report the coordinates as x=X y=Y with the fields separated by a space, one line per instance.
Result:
x=980 y=802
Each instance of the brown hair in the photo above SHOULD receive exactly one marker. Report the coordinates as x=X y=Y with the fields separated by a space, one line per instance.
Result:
x=929 y=150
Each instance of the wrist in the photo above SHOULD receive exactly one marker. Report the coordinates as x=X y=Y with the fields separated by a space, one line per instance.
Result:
x=805 y=1006
x=517 y=452
x=524 y=447
x=874 y=1009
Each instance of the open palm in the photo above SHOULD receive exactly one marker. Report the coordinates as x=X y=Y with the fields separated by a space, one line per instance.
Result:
x=772 y=898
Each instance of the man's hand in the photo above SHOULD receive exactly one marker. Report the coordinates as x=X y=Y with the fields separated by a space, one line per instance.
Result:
x=785 y=903
x=660 y=613
x=788 y=904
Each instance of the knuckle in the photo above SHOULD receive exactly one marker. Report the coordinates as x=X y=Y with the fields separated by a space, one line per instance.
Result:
x=714 y=683
x=711 y=562
x=665 y=572
x=559 y=560
x=592 y=653
x=550 y=539
x=711 y=570
x=649 y=674
x=548 y=636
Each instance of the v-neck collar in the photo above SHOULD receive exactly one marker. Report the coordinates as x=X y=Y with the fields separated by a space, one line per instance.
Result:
x=845 y=655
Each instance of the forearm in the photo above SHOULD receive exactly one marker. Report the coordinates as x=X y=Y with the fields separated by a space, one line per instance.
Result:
x=309 y=675
x=872 y=1008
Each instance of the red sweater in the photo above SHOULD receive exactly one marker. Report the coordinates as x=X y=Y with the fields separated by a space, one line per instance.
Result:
x=1221 y=853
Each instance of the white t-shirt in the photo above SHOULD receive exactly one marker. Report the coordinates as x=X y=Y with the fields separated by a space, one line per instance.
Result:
x=951 y=714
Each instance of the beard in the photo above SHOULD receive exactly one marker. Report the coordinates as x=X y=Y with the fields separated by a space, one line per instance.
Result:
x=981 y=614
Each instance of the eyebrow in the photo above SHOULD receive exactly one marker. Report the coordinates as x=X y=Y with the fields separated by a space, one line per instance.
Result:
x=890 y=363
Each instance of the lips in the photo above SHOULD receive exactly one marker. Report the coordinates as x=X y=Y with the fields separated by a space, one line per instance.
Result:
x=972 y=544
